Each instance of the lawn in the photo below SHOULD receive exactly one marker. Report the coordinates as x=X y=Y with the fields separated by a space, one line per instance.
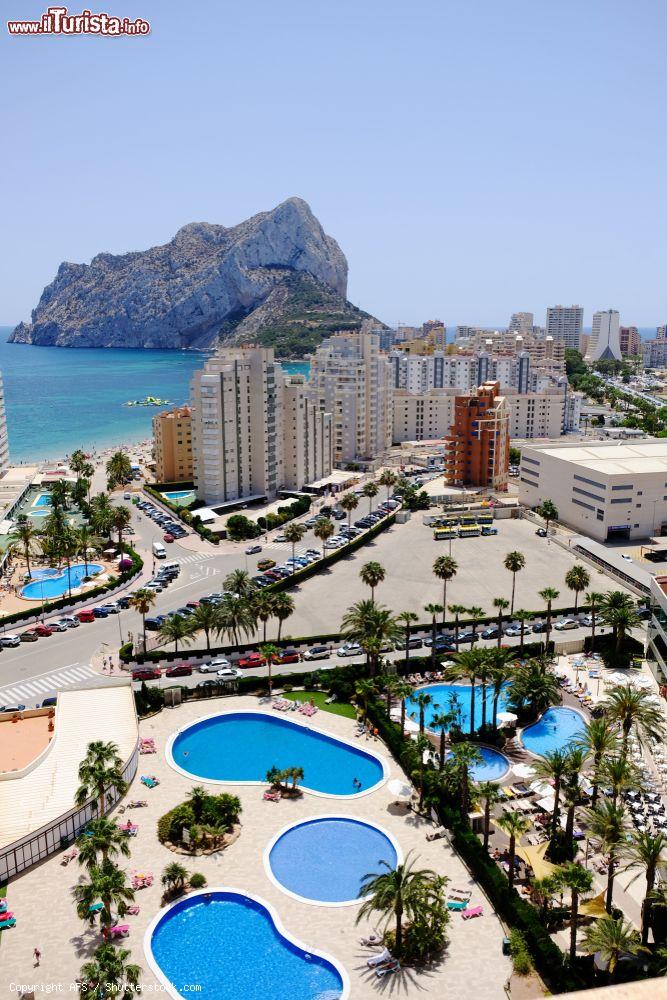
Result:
x=319 y=698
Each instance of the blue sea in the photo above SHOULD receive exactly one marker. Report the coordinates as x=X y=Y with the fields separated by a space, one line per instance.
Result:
x=58 y=399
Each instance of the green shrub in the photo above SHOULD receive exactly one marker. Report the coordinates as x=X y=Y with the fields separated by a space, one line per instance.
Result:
x=197 y=880
x=170 y=826
x=240 y=528
x=521 y=959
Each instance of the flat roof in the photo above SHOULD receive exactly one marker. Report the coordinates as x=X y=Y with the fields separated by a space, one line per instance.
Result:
x=612 y=556
x=613 y=458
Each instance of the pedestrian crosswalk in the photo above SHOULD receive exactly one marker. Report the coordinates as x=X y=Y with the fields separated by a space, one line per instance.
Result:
x=38 y=688
x=196 y=557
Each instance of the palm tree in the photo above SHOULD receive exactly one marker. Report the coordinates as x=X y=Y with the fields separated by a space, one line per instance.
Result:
x=475 y=614
x=422 y=700
x=264 y=606
x=500 y=672
x=489 y=793
x=283 y=608
x=457 y=610
x=122 y=517
x=77 y=461
x=621 y=775
x=444 y=722
x=632 y=709
x=372 y=574
x=533 y=689
x=403 y=691
x=101 y=514
x=24 y=534
x=373 y=627
x=577 y=579
x=462 y=759
x=100 y=772
x=600 y=740
x=324 y=529
x=579 y=881
x=101 y=841
x=548 y=595
x=174 y=876
x=468 y=665
x=611 y=939
x=119 y=470
x=293 y=533
x=61 y=494
x=239 y=582
x=393 y=893
x=553 y=767
x=86 y=541
x=235 y=616
x=365 y=690
x=593 y=599
x=621 y=619
x=522 y=617
x=142 y=600
x=406 y=619
x=500 y=604
x=514 y=562
x=444 y=568
x=197 y=797
x=650 y=854
x=388 y=478
x=573 y=790
x=109 y=974
x=549 y=512
x=270 y=652
x=176 y=629
x=68 y=545
x=108 y=884
x=433 y=610
x=370 y=490
x=348 y=503
x=208 y=618
x=608 y=824
x=514 y=824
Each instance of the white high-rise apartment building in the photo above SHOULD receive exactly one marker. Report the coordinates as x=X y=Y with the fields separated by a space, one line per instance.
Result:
x=565 y=323
x=253 y=430
x=605 y=343
x=4 y=438
x=465 y=371
x=352 y=380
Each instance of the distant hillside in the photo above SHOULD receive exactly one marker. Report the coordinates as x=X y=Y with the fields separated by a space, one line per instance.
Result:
x=276 y=278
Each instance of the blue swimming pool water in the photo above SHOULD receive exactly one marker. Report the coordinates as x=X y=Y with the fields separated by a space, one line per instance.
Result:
x=495 y=765
x=43 y=500
x=243 y=746
x=231 y=948
x=180 y=495
x=48 y=583
x=455 y=697
x=326 y=859
x=556 y=730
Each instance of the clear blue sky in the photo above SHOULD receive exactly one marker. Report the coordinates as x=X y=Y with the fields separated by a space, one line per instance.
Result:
x=472 y=158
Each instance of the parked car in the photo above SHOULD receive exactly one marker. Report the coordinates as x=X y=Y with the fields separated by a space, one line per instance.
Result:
x=490 y=632
x=540 y=627
x=443 y=645
x=30 y=636
x=212 y=666
x=59 y=625
x=42 y=629
x=168 y=537
x=153 y=624
x=111 y=609
x=349 y=649
x=179 y=670
x=515 y=630
x=71 y=621
x=12 y=708
x=49 y=702
x=287 y=656
x=228 y=673
x=266 y=564
x=253 y=549
x=146 y=673
x=280 y=538
x=541 y=532
x=566 y=623
x=317 y=653
x=10 y=640
x=251 y=660
x=100 y=612
x=467 y=635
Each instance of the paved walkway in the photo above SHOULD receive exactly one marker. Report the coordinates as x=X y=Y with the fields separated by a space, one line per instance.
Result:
x=473 y=965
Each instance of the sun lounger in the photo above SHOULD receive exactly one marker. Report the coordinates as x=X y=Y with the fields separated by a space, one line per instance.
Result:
x=460 y=893
x=387 y=970
x=147 y=749
x=133 y=910
x=457 y=904
x=372 y=941
x=384 y=956
x=150 y=781
x=272 y=796
x=475 y=911
x=3 y=906
x=69 y=856
x=131 y=829
x=137 y=804
x=6 y=924
x=436 y=834
x=120 y=930
x=7 y=916
x=96 y=907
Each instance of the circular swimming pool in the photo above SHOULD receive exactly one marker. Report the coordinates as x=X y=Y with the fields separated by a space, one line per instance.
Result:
x=48 y=583
x=324 y=859
x=233 y=946
x=241 y=747
x=555 y=730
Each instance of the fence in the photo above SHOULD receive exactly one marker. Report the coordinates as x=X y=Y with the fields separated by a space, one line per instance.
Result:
x=35 y=847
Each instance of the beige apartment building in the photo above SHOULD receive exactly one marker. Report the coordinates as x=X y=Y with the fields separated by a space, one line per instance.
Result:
x=254 y=431
x=351 y=379
x=172 y=445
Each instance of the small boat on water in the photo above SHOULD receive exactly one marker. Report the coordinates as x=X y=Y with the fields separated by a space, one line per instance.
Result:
x=149 y=401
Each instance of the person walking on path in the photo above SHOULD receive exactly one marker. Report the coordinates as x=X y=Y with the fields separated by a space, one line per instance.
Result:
x=37 y=956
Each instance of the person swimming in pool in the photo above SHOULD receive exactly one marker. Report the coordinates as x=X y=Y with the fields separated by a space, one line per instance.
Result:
x=356 y=783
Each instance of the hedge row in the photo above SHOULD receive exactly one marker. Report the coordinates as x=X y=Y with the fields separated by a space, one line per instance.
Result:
x=67 y=602
x=187 y=513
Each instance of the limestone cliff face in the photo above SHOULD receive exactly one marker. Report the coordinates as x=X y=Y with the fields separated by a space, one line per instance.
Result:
x=194 y=290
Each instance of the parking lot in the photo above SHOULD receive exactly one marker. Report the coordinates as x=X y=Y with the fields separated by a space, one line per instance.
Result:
x=407 y=552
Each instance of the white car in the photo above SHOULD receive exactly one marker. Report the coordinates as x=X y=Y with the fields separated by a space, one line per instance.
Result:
x=624 y=555
x=10 y=640
x=349 y=649
x=228 y=673
x=59 y=625
x=214 y=665
x=566 y=623
x=317 y=653
x=70 y=621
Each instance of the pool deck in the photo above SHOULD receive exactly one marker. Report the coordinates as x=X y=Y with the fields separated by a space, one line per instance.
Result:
x=473 y=965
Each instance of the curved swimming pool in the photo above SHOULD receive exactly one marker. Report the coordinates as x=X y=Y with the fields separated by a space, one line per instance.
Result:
x=233 y=946
x=240 y=747
x=555 y=730
x=455 y=698
x=494 y=766
x=48 y=583
x=324 y=859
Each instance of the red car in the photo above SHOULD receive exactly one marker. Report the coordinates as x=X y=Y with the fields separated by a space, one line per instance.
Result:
x=146 y=674
x=192 y=604
x=252 y=660
x=287 y=656
x=87 y=615
x=168 y=537
x=179 y=670
x=43 y=629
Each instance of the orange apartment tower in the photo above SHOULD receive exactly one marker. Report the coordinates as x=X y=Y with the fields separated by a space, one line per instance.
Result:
x=477 y=446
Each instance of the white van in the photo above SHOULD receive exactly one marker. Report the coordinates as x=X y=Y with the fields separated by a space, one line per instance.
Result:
x=159 y=550
x=172 y=567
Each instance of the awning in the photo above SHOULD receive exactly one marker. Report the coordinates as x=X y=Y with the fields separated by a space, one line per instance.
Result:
x=534 y=856
x=594 y=907
x=547 y=803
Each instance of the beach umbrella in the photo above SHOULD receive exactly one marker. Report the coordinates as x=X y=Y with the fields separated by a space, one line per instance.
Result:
x=523 y=770
x=506 y=718
x=400 y=789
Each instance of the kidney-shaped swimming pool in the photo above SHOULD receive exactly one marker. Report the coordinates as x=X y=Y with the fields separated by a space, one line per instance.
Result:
x=240 y=747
